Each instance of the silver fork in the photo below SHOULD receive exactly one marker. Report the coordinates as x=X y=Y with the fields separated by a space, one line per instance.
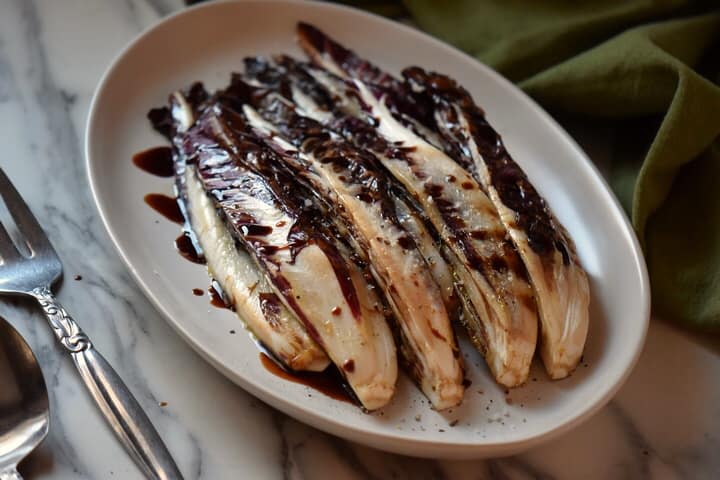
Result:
x=33 y=276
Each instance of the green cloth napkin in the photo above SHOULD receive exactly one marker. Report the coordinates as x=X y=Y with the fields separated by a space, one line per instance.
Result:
x=649 y=67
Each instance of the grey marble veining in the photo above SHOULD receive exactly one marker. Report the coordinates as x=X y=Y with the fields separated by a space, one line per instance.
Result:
x=665 y=422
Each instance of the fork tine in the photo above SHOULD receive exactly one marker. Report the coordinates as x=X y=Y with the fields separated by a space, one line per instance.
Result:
x=24 y=219
x=7 y=247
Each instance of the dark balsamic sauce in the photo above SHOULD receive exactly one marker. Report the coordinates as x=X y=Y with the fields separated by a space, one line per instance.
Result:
x=166 y=206
x=406 y=242
x=186 y=249
x=255 y=230
x=328 y=383
x=437 y=334
x=216 y=297
x=342 y=273
x=271 y=307
x=157 y=161
x=480 y=234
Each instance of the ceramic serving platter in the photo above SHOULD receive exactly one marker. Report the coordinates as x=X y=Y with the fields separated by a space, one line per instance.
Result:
x=207 y=43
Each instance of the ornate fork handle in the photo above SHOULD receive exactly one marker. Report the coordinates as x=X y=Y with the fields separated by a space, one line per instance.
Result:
x=117 y=404
x=66 y=330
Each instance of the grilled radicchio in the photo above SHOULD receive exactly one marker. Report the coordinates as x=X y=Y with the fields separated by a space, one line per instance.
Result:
x=345 y=211
x=437 y=109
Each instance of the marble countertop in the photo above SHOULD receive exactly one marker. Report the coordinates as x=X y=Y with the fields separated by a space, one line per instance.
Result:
x=664 y=423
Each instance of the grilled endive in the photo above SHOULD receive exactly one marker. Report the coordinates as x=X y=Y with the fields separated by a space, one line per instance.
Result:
x=254 y=300
x=311 y=272
x=353 y=183
x=488 y=266
x=560 y=284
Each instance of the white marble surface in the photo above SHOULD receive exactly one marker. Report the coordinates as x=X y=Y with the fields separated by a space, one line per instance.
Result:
x=665 y=422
